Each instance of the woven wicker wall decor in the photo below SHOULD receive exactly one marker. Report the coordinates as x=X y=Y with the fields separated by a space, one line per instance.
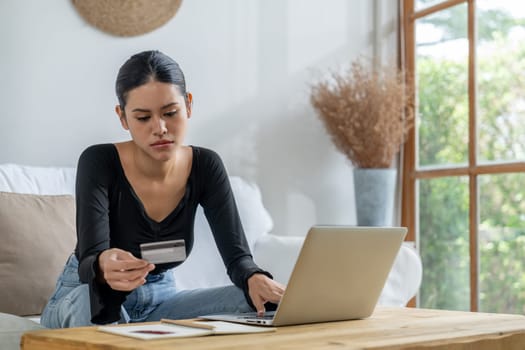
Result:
x=127 y=17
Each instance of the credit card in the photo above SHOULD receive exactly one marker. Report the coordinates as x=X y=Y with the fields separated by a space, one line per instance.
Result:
x=164 y=252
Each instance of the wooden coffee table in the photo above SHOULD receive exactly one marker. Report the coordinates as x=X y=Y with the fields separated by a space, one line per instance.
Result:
x=387 y=328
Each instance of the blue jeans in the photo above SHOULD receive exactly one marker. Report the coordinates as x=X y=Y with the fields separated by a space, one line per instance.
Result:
x=158 y=298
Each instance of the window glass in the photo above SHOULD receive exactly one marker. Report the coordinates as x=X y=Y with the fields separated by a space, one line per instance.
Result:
x=442 y=88
x=421 y=4
x=501 y=80
x=444 y=243
x=502 y=243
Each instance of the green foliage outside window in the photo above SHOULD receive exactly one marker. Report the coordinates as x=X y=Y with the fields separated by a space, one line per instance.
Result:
x=444 y=202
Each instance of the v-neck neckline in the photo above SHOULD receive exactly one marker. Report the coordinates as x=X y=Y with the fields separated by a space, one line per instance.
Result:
x=139 y=202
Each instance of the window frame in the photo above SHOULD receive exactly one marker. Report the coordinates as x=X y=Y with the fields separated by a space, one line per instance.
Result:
x=472 y=170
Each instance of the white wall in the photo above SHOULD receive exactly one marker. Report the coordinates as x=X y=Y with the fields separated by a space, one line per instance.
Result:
x=248 y=63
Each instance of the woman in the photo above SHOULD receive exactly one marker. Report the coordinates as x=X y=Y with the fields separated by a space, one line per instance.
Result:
x=147 y=190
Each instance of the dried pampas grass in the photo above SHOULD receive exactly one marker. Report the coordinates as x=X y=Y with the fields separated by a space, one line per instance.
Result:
x=366 y=111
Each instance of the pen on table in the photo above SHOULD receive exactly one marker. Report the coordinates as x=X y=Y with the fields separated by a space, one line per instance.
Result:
x=187 y=323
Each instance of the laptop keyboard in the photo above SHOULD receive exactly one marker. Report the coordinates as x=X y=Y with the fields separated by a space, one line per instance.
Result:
x=267 y=316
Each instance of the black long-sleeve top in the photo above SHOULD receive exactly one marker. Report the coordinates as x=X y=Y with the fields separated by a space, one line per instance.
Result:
x=110 y=215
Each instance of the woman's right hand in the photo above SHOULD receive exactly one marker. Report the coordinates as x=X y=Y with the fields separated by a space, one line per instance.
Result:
x=121 y=270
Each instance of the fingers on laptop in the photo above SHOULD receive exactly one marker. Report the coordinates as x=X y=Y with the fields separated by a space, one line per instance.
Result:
x=262 y=290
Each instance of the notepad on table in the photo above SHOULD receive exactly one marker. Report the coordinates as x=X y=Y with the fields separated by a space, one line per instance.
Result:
x=179 y=329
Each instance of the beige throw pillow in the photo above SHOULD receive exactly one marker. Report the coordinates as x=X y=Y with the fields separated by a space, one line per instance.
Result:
x=37 y=235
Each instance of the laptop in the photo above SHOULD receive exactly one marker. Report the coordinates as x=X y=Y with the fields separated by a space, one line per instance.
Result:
x=339 y=275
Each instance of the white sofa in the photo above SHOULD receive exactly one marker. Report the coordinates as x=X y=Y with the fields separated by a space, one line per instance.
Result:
x=274 y=252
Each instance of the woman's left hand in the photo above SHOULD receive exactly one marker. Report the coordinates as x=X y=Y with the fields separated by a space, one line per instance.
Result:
x=262 y=290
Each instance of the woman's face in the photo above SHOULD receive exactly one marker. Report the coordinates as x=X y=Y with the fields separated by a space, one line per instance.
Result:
x=156 y=116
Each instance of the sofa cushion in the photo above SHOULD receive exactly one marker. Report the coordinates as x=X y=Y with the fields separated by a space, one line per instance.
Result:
x=38 y=234
x=11 y=329
x=204 y=266
x=278 y=255
x=37 y=180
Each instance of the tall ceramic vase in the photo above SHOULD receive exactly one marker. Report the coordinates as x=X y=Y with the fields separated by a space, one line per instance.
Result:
x=374 y=196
